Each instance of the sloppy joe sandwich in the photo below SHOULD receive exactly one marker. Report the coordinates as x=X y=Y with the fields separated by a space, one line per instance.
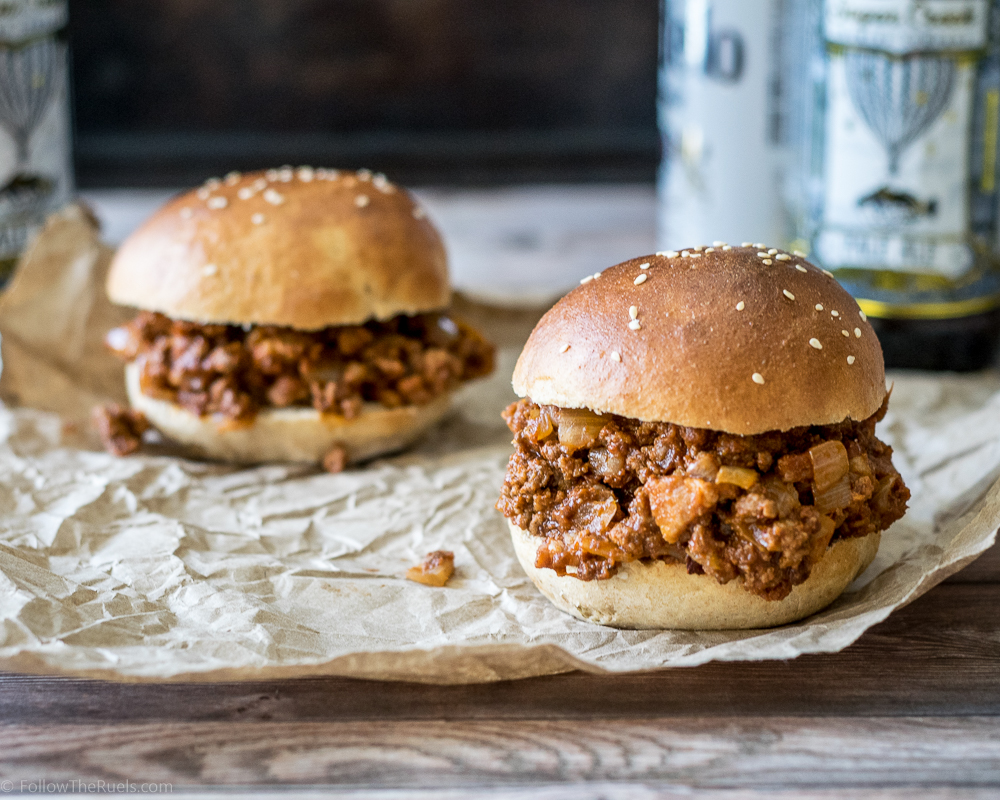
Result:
x=291 y=315
x=695 y=447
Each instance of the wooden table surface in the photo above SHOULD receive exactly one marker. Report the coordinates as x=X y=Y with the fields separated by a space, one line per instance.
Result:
x=914 y=703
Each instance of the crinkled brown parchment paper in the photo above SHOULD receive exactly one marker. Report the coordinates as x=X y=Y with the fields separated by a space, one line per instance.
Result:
x=158 y=568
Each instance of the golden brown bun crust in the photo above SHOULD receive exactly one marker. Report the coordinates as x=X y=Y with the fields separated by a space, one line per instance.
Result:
x=328 y=251
x=693 y=360
x=294 y=434
x=660 y=595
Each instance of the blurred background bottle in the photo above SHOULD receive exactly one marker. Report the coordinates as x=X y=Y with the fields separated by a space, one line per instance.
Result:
x=864 y=132
x=35 y=162
x=723 y=116
x=895 y=186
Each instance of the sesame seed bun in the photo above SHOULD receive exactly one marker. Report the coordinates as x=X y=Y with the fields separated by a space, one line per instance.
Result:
x=738 y=340
x=303 y=248
x=659 y=595
x=293 y=434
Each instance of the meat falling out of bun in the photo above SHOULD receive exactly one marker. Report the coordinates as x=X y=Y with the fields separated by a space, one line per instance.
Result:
x=291 y=315
x=696 y=445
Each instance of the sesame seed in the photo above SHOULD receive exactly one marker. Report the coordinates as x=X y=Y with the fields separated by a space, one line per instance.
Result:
x=362 y=200
x=745 y=244
x=788 y=294
x=727 y=247
x=633 y=312
x=709 y=250
x=419 y=213
x=857 y=332
x=217 y=202
x=850 y=359
x=213 y=183
x=382 y=184
x=798 y=253
x=564 y=348
x=819 y=306
x=597 y=275
x=718 y=244
x=615 y=355
x=699 y=248
x=685 y=253
x=767 y=261
x=233 y=177
x=644 y=266
x=828 y=273
x=696 y=255
x=271 y=174
x=257 y=219
x=757 y=378
x=245 y=193
x=364 y=174
x=760 y=245
x=740 y=305
x=800 y=268
x=640 y=279
x=761 y=255
x=815 y=343
x=671 y=254
x=203 y=193
x=862 y=315
x=635 y=324
x=588 y=279
x=273 y=197
x=783 y=257
x=846 y=333
x=306 y=174
x=772 y=251
x=835 y=313
x=285 y=174
x=209 y=269
x=259 y=185
x=186 y=213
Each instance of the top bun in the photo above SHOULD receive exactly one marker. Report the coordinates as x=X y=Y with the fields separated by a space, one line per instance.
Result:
x=304 y=248
x=731 y=339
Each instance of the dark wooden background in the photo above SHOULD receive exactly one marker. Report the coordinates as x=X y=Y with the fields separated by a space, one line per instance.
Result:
x=432 y=91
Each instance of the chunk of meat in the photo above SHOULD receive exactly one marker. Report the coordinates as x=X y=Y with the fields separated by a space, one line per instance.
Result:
x=120 y=428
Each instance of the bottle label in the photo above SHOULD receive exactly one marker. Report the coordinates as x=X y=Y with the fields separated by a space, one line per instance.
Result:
x=907 y=26
x=900 y=102
x=35 y=167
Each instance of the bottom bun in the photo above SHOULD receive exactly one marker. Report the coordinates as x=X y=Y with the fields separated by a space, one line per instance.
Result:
x=289 y=434
x=655 y=594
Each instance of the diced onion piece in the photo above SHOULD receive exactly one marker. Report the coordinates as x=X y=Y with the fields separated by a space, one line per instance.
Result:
x=579 y=427
x=676 y=502
x=741 y=476
x=830 y=464
x=705 y=466
x=543 y=427
x=833 y=498
x=596 y=516
x=599 y=547
x=605 y=463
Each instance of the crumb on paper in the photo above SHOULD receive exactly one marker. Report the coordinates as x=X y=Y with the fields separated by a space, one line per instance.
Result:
x=120 y=428
x=335 y=459
x=436 y=569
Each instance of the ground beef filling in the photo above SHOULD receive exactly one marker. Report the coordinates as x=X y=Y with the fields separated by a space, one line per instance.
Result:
x=234 y=372
x=599 y=491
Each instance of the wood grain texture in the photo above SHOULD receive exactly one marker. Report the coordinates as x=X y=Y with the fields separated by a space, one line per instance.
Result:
x=938 y=656
x=787 y=752
x=605 y=791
